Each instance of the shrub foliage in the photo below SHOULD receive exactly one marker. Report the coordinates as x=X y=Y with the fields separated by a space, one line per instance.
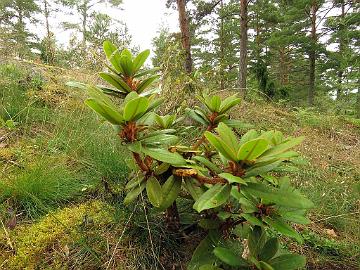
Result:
x=235 y=182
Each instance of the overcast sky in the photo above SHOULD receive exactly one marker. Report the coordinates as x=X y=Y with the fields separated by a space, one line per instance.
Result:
x=142 y=17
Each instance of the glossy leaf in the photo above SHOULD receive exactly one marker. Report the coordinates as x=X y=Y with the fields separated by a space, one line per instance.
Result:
x=288 y=262
x=283 y=228
x=165 y=156
x=136 y=181
x=196 y=116
x=113 y=55
x=287 y=198
x=256 y=240
x=270 y=249
x=170 y=190
x=215 y=103
x=135 y=108
x=134 y=193
x=146 y=83
x=195 y=191
x=232 y=178
x=115 y=81
x=140 y=60
x=105 y=111
x=228 y=257
x=203 y=254
x=284 y=146
x=248 y=136
x=126 y=63
x=221 y=146
x=252 y=149
x=228 y=103
x=213 y=197
x=154 y=191
x=228 y=136
x=207 y=163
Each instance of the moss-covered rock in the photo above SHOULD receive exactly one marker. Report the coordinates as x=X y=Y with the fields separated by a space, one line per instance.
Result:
x=48 y=241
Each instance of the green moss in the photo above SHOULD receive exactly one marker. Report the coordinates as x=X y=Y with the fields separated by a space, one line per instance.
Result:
x=39 y=241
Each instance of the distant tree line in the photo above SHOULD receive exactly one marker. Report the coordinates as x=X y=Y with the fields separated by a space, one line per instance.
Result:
x=304 y=51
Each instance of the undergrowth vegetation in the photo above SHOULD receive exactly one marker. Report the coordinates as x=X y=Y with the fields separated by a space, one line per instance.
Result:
x=63 y=174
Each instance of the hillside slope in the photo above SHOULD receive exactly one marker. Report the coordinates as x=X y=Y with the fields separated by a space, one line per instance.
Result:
x=61 y=175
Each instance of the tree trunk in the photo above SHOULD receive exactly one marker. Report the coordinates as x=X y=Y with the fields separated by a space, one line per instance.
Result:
x=243 y=46
x=340 y=73
x=46 y=13
x=48 y=45
x=84 y=13
x=185 y=34
x=222 y=48
x=312 y=55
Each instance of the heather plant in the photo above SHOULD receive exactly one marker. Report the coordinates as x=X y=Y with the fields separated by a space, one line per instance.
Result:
x=237 y=184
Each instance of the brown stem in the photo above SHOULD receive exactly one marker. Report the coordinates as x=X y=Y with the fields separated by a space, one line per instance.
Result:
x=172 y=218
x=208 y=180
x=202 y=139
x=140 y=162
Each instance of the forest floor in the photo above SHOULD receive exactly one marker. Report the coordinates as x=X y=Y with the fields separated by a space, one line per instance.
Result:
x=62 y=173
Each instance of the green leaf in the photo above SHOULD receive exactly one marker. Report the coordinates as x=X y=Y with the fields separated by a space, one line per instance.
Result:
x=208 y=164
x=145 y=83
x=105 y=111
x=135 y=108
x=248 y=136
x=296 y=216
x=283 y=228
x=284 y=146
x=162 y=168
x=140 y=60
x=228 y=136
x=270 y=249
x=134 y=193
x=287 y=198
x=112 y=92
x=145 y=72
x=228 y=103
x=228 y=257
x=252 y=149
x=221 y=146
x=126 y=64
x=213 y=197
x=116 y=81
x=215 y=103
x=113 y=55
x=209 y=267
x=265 y=266
x=160 y=139
x=203 y=254
x=170 y=190
x=195 y=191
x=154 y=103
x=261 y=168
x=154 y=192
x=196 y=116
x=136 y=181
x=282 y=156
x=256 y=240
x=288 y=262
x=165 y=156
x=232 y=178
x=252 y=219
